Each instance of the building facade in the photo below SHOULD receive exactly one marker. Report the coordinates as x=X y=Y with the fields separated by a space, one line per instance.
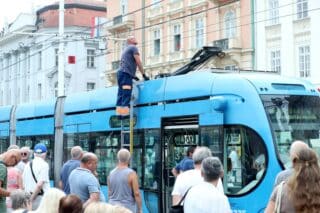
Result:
x=287 y=37
x=171 y=32
x=29 y=53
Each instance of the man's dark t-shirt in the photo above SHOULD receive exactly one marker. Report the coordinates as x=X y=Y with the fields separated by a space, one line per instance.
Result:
x=128 y=62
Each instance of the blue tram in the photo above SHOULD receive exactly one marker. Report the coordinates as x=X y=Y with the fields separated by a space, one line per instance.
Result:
x=248 y=120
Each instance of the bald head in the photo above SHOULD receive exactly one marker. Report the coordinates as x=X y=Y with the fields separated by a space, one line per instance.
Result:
x=296 y=147
x=76 y=152
x=123 y=156
x=132 y=40
x=89 y=156
x=89 y=161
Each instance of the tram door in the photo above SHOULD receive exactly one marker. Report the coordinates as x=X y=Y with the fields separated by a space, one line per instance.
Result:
x=177 y=135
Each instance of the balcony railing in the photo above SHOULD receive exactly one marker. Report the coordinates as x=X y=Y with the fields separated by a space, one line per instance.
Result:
x=227 y=43
x=121 y=22
x=222 y=43
x=117 y=20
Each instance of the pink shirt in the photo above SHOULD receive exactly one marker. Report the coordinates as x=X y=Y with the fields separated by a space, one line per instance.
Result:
x=13 y=178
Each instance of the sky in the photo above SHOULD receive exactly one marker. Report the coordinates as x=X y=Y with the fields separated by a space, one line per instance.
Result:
x=12 y=8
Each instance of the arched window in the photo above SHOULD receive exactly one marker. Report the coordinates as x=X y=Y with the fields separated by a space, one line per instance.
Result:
x=230 y=24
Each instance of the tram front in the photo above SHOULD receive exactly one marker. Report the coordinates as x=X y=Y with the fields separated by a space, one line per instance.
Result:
x=293 y=117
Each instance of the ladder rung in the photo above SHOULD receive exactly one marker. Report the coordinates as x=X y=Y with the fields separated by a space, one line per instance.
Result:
x=128 y=131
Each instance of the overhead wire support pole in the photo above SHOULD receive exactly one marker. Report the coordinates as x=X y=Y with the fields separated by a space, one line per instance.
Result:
x=61 y=50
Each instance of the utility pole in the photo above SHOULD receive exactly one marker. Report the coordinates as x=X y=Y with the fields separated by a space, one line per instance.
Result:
x=61 y=50
x=143 y=31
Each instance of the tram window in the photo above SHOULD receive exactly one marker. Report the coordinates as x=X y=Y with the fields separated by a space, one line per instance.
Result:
x=106 y=148
x=211 y=137
x=152 y=159
x=31 y=141
x=246 y=154
x=137 y=155
x=75 y=139
x=293 y=117
x=4 y=144
x=115 y=121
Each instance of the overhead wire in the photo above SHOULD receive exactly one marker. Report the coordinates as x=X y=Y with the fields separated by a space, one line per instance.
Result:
x=165 y=41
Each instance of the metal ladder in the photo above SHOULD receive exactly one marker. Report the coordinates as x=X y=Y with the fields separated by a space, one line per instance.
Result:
x=125 y=131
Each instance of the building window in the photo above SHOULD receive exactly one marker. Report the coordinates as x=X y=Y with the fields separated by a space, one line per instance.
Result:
x=275 y=58
x=199 y=33
x=18 y=96
x=304 y=61
x=176 y=38
x=1 y=69
x=156 y=42
x=39 y=60
x=56 y=89
x=39 y=91
x=90 y=58
x=27 y=55
x=9 y=66
x=230 y=24
x=274 y=11
x=302 y=9
x=28 y=93
x=90 y=86
x=9 y=97
x=1 y=98
x=123 y=7
x=56 y=53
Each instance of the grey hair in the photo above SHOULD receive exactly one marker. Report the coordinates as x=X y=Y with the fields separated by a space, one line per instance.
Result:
x=19 y=199
x=123 y=156
x=25 y=148
x=211 y=168
x=13 y=146
x=76 y=152
x=200 y=154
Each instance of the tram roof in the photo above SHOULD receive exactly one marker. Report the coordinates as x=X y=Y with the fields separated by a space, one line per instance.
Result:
x=5 y=113
x=191 y=85
x=36 y=109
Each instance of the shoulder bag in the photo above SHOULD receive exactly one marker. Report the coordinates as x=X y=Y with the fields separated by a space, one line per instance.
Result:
x=179 y=208
x=35 y=179
x=277 y=205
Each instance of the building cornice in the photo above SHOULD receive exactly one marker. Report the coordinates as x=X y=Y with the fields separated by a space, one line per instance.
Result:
x=71 y=6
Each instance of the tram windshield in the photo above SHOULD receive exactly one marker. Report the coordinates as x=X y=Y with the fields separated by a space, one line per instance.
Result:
x=293 y=117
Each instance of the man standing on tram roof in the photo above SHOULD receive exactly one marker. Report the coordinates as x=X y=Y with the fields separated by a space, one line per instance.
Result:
x=130 y=59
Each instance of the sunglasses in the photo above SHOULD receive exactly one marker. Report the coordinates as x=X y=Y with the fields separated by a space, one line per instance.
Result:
x=24 y=154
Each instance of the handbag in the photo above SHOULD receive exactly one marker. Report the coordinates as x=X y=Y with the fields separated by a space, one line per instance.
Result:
x=277 y=205
x=35 y=179
x=179 y=208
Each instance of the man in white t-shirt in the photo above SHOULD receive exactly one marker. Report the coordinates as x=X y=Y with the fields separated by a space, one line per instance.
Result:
x=192 y=177
x=38 y=184
x=205 y=197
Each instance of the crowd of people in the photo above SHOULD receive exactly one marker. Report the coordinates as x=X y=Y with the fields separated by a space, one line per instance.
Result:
x=25 y=186
x=295 y=189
